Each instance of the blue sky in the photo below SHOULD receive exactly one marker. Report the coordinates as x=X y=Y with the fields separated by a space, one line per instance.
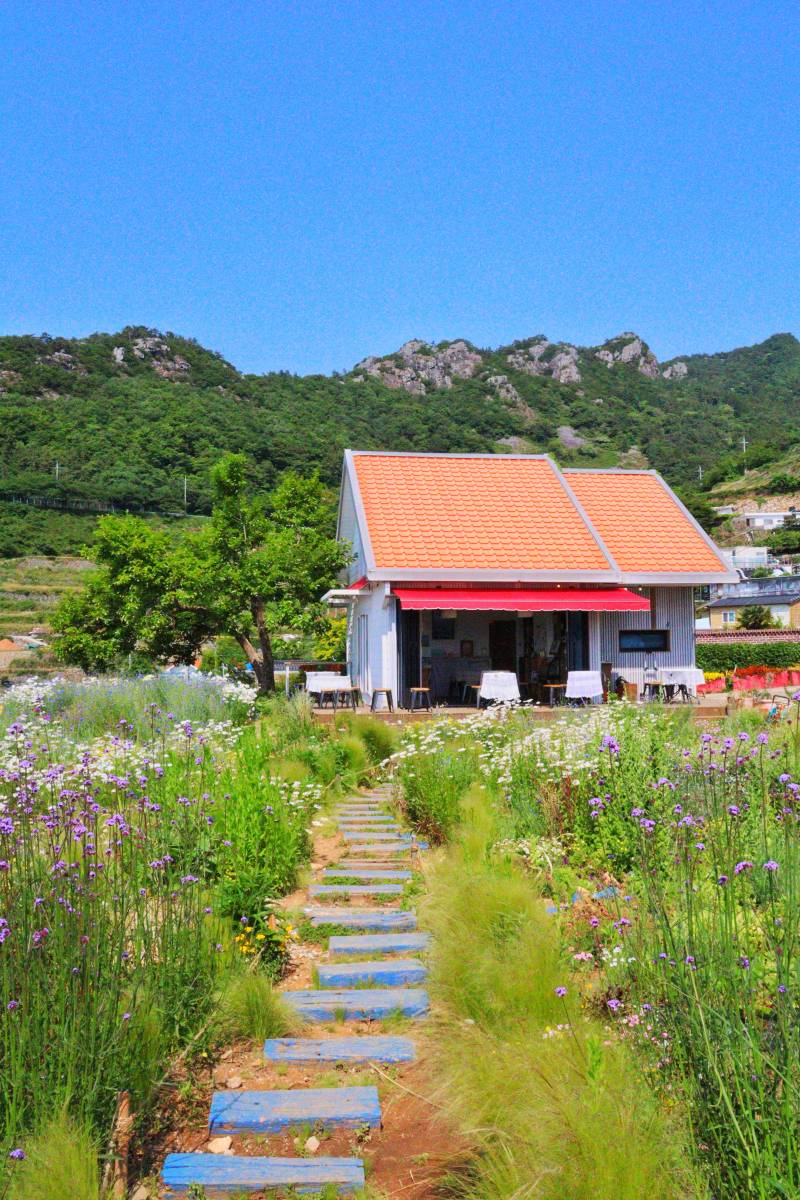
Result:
x=300 y=184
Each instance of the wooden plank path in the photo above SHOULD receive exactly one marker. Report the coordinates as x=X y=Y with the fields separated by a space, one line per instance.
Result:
x=354 y=985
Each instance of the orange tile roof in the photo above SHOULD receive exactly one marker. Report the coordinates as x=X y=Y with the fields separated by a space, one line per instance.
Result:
x=456 y=512
x=642 y=526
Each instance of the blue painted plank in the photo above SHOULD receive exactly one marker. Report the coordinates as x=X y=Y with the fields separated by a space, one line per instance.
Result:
x=368 y=835
x=222 y=1174
x=358 y=1004
x=379 y=943
x=373 y=1048
x=363 y=918
x=398 y=972
x=369 y=827
x=364 y=873
x=383 y=847
x=270 y=1112
x=355 y=889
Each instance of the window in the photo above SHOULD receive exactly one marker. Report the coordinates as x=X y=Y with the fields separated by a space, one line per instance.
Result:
x=643 y=641
x=361 y=663
x=443 y=629
x=729 y=617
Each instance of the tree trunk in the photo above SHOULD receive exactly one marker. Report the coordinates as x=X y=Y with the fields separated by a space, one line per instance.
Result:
x=267 y=659
x=265 y=678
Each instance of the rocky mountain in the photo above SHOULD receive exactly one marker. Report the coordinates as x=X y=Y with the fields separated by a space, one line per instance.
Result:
x=137 y=417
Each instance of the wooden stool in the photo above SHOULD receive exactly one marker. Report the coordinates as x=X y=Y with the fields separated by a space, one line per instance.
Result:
x=387 y=694
x=420 y=698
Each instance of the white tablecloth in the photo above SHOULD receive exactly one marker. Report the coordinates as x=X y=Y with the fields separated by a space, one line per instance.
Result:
x=676 y=676
x=318 y=682
x=498 y=685
x=583 y=685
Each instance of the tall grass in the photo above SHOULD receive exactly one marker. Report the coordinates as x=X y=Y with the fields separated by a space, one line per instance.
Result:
x=553 y=1105
x=60 y=1164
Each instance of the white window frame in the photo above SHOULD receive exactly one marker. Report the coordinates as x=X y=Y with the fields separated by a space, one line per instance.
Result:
x=729 y=616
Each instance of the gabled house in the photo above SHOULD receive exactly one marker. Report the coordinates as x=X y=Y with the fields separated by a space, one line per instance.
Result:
x=470 y=562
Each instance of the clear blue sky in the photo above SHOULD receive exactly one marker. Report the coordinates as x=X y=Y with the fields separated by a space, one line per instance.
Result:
x=300 y=184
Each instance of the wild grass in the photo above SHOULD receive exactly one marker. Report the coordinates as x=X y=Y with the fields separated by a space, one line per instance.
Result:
x=554 y=1107
x=60 y=1164
x=251 y=1008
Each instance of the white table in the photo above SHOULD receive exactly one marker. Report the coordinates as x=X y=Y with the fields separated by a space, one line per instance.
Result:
x=681 y=677
x=327 y=683
x=498 y=685
x=584 y=685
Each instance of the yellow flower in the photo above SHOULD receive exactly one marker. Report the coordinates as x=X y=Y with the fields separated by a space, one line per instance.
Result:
x=260 y=937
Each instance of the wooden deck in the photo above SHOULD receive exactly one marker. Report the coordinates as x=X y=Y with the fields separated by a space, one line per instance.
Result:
x=714 y=711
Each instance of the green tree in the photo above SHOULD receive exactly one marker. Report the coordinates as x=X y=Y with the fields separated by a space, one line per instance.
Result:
x=786 y=540
x=258 y=565
x=756 y=616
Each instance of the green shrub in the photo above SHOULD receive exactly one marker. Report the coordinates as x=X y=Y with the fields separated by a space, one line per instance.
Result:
x=380 y=738
x=251 y=1008
x=728 y=656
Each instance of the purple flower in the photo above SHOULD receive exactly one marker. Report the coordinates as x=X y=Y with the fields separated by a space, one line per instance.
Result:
x=723 y=879
x=733 y=809
x=12 y=1004
x=561 y=992
x=782 y=988
x=126 y=1016
x=614 y=1004
x=18 y=1154
x=744 y=962
x=742 y=866
x=770 y=865
x=610 y=744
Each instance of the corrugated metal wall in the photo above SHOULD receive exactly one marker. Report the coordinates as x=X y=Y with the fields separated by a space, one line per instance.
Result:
x=673 y=609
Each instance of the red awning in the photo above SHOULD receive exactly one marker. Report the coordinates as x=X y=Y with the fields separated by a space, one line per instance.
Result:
x=524 y=599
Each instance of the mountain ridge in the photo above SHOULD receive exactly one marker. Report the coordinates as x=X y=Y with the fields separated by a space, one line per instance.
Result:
x=138 y=416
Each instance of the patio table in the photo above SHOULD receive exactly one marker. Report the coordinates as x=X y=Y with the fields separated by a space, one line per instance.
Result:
x=498 y=685
x=584 y=685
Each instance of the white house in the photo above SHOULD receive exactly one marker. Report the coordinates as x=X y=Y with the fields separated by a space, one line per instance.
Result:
x=468 y=562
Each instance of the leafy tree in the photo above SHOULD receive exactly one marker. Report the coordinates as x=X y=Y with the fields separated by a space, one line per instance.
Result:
x=786 y=540
x=756 y=616
x=257 y=566
x=699 y=507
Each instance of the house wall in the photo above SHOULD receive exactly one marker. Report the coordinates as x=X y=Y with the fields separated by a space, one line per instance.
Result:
x=671 y=608
x=348 y=531
x=380 y=668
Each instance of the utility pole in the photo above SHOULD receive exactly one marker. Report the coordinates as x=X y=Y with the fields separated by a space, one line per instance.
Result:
x=744 y=452
x=58 y=469
x=185 y=509
x=700 y=475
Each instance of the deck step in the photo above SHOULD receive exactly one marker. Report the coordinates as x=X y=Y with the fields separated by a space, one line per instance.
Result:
x=391 y=921
x=358 y=1004
x=223 y=1175
x=373 y=1048
x=271 y=1112
x=365 y=873
x=393 y=973
x=355 y=889
x=379 y=943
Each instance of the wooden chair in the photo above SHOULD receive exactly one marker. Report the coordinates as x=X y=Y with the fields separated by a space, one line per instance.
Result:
x=420 y=698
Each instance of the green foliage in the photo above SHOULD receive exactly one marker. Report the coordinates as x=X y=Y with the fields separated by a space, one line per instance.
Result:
x=330 y=642
x=251 y=1008
x=60 y=1164
x=553 y=1106
x=433 y=783
x=756 y=616
x=256 y=566
x=781 y=484
x=786 y=540
x=729 y=656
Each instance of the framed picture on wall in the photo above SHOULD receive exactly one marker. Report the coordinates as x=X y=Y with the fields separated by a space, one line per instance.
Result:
x=467 y=648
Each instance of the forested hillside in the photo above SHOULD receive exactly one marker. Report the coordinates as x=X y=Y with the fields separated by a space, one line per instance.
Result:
x=135 y=417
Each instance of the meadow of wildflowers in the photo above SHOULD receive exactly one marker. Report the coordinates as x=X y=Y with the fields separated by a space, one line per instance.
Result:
x=672 y=854
x=134 y=853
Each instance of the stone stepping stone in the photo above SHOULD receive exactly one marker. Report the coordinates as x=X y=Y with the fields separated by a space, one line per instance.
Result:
x=383 y=920
x=364 y=873
x=271 y=1112
x=374 y=835
x=379 y=943
x=355 y=889
x=358 y=1004
x=223 y=1175
x=373 y=1048
x=398 y=972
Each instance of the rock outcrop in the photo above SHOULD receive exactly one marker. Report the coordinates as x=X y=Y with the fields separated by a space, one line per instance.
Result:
x=165 y=363
x=544 y=358
x=418 y=366
x=504 y=388
x=628 y=348
x=675 y=370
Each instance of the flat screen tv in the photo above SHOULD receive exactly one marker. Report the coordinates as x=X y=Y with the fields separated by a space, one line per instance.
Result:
x=643 y=641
